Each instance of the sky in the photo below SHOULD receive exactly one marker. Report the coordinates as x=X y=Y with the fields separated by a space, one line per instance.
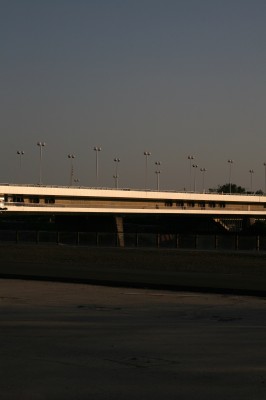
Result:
x=171 y=77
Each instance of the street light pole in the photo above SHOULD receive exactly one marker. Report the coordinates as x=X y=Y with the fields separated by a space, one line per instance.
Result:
x=157 y=172
x=158 y=181
x=71 y=157
x=116 y=176
x=264 y=177
x=41 y=145
x=146 y=154
x=195 y=166
x=230 y=162
x=97 y=149
x=203 y=170
x=251 y=171
x=20 y=153
x=190 y=158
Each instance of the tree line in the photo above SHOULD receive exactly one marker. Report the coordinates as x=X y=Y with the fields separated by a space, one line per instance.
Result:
x=233 y=188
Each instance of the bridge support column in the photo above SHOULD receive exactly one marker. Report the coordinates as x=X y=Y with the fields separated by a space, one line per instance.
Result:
x=120 y=230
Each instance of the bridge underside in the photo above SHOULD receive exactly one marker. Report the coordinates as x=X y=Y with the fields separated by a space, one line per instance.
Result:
x=128 y=223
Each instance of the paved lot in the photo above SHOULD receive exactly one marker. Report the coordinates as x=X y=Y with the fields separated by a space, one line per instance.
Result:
x=63 y=341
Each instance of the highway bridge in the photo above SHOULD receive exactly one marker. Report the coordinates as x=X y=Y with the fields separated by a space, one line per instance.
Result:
x=227 y=210
x=55 y=199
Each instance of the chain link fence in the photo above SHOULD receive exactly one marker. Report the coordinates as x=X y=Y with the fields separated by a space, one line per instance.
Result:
x=138 y=240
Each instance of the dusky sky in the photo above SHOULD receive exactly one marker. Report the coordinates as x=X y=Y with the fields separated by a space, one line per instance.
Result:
x=172 y=77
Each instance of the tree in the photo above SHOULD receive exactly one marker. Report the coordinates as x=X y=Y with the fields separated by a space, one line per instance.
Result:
x=229 y=188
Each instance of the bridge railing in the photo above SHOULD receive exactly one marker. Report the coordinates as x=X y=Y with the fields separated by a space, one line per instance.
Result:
x=131 y=189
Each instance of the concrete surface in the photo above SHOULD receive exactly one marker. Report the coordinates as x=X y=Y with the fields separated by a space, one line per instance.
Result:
x=62 y=341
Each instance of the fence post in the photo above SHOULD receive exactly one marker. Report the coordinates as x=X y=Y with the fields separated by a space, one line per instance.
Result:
x=177 y=240
x=258 y=243
x=137 y=240
x=158 y=240
x=236 y=242
x=215 y=242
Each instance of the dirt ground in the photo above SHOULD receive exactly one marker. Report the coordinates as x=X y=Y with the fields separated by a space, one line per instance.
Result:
x=157 y=268
x=65 y=341
x=93 y=323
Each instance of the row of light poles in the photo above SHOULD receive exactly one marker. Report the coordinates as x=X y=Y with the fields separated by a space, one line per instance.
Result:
x=97 y=149
x=251 y=171
x=157 y=171
x=194 y=167
x=147 y=154
x=230 y=163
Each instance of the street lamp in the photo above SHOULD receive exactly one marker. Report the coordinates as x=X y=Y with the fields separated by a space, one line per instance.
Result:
x=20 y=153
x=195 y=166
x=97 y=149
x=251 y=171
x=203 y=170
x=158 y=182
x=157 y=172
x=190 y=158
x=230 y=162
x=116 y=176
x=41 y=145
x=146 y=154
x=71 y=157
x=264 y=178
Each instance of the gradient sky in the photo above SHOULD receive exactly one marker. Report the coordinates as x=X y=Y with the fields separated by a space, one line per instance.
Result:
x=173 y=77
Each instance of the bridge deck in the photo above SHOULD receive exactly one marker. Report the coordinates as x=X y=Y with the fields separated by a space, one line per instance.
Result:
x=30 y=198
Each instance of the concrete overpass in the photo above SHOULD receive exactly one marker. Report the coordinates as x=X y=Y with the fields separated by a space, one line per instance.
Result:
x=54 y=199
x=127 y=209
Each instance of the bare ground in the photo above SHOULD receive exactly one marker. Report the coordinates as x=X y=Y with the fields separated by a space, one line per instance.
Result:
x=157 y=268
